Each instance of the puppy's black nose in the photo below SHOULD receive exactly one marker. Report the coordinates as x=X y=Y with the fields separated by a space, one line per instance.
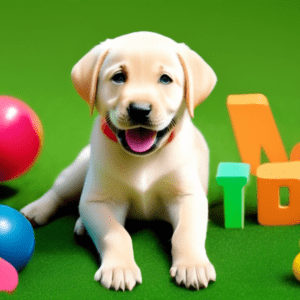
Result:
x=139 y=112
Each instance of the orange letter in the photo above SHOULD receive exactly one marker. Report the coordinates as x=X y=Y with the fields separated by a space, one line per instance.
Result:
x=255 y=129
x=270 y=177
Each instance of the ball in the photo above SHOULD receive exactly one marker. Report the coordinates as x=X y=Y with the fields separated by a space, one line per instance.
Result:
x=17 y=240
x=296 y=267
x=21 y=137
x=9 y=277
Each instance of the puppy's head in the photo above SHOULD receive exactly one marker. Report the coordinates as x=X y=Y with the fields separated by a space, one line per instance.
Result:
x=141 y=83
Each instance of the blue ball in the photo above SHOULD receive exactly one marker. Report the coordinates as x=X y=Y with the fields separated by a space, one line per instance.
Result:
x=16 y=237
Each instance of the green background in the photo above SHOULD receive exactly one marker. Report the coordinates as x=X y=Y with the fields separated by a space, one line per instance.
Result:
x=253 y=46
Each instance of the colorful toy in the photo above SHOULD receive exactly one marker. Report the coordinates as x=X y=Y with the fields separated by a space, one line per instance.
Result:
x=295 y=154
x=16 y=237
x=9 y=278
x=233 y=177
x=21 y=136
x=255 y=129
x=270 y=178
x=296 y=267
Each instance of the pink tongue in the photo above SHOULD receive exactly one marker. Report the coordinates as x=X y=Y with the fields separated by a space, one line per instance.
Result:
x=140 y=139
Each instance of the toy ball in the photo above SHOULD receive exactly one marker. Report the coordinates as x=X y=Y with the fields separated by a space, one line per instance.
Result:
x=21 y=136
x=9 y=277
x=16 y=237
x=296 y=267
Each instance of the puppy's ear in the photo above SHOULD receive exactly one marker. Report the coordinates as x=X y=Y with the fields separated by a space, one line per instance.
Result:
x=85 y=73
x=200 y=78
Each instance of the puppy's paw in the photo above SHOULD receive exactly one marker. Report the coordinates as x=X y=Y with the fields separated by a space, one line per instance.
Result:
x=40 y=211
x=196 y=275
x=119 y=278
x=79 y=227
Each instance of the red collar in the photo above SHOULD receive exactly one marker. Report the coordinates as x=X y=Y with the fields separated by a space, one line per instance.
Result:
x=109 y=133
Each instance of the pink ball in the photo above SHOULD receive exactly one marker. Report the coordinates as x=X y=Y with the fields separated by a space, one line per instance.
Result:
x=21 y=138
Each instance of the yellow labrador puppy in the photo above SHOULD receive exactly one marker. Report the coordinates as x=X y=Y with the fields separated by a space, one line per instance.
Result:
x=146 y=159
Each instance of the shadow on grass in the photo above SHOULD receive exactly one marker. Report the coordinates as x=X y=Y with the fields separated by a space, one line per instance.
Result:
x=162 y=230
x=7 y=192
x=291 y=280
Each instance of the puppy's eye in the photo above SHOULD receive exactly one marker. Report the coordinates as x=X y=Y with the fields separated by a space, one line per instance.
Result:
x=165 y=79
x=119 y=77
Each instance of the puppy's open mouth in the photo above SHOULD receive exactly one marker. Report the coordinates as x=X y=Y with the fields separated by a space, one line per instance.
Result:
x=140 y=140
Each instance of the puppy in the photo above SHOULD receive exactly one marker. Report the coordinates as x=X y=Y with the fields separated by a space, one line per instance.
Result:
x=146 y=159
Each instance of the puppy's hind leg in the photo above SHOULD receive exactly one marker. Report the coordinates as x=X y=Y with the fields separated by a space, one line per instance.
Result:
x=66 y=188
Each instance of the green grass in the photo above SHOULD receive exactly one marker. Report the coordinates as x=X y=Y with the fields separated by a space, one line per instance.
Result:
x=253 y=46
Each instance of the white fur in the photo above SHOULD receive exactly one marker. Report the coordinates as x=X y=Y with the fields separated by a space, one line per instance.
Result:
x=169 y=184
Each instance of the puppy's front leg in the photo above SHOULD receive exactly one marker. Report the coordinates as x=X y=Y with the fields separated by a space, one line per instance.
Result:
x=104 y=222
x=189 y=217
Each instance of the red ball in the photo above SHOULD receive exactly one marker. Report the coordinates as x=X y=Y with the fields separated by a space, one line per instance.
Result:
x=21 y=138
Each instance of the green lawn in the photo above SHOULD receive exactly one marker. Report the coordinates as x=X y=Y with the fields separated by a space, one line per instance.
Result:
x=253 y=46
